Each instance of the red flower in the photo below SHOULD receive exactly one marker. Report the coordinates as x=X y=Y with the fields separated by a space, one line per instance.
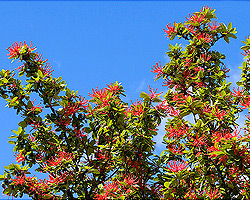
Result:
x=71 y=108
x=114 y=88
x=197 y=69
x=214 y=27
x=63 y=121
x=191 y=29
x=180 y=99
x=175 y=149
x=246 y=102
x=176 y=166
x=36 y=108
x=59 y=158
x=14 y=49
x=219 y=113
x=176 y=132
x=193 y=194
x=205 y=57
x=213 y=194
x=58 y=179
x=99 y=155
x=19 y=180
x=238 y=92
x=206 y=109
x=153 y=94
x=170 y=30
x=19 y=157
x=157 y=69
x=196 y=17
x=163 y=106
x=205 y=8
x=170 y=83
x=80 y=133
x=130 y=180
x=136 y=109
x=174 y=112
x=102 y=97
x=214 y=154
x=225 y=70
x=46 y=70
x=39 y=58
x=34 y=123
x=83 y=102
x=199 y=141
x=246 y=53
x=204 y=37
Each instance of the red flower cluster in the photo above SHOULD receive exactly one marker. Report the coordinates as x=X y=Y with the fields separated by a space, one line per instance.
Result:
x=16 y=48
x=204 y=37
x=170 y=30
x=36 y=187
x=19 y=157
x=153 y=93
x=214 y=26
x=136 y=109
x=176 y=166
x=157 y=69
x=177 y=132
x=58 y=159
x=117 y=189
x=196 y=17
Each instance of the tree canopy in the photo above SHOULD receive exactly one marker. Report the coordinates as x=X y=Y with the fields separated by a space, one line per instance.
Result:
x=102 y=147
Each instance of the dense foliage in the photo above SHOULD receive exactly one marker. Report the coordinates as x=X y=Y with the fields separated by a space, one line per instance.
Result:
x=102 y=148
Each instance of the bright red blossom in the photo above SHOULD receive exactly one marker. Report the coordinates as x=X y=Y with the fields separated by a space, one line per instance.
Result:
x=14 y=49
x=59 y=158
x=136 y=109
x=176 y=132
x=175 y=149
x=204 y=37
x=176 y=166
x=205 y=57
x=157 y=69
x=19 y=157
x=238 y=92
x=219 y=113
x=196 y=17
x=213 y=194
x=153 y=93
x=214 y=26
x=245 y=103
x=170 y=30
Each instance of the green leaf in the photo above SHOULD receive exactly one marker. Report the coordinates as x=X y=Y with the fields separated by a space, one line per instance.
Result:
x=200 y=74
x=226 y=39
x=94 y=171
x=11 y=142
x=189 y=100
x=198 y=124
x=2 y=177
x=145 y=96
x=23 y=124
x=229 y=26
x=232 y=35
x=239 y=83
x=156 y=100
x=246 y=47
x=184 y=113
x=40 y=74
x=12 y=136
x=162 y=153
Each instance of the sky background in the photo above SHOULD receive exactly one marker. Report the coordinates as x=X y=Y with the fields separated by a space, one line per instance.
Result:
x=91 y=44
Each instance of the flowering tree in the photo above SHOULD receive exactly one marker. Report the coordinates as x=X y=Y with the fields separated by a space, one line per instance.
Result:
x=102 y=148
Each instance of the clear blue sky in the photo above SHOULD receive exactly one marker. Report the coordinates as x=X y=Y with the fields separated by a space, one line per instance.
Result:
x=91 y=44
